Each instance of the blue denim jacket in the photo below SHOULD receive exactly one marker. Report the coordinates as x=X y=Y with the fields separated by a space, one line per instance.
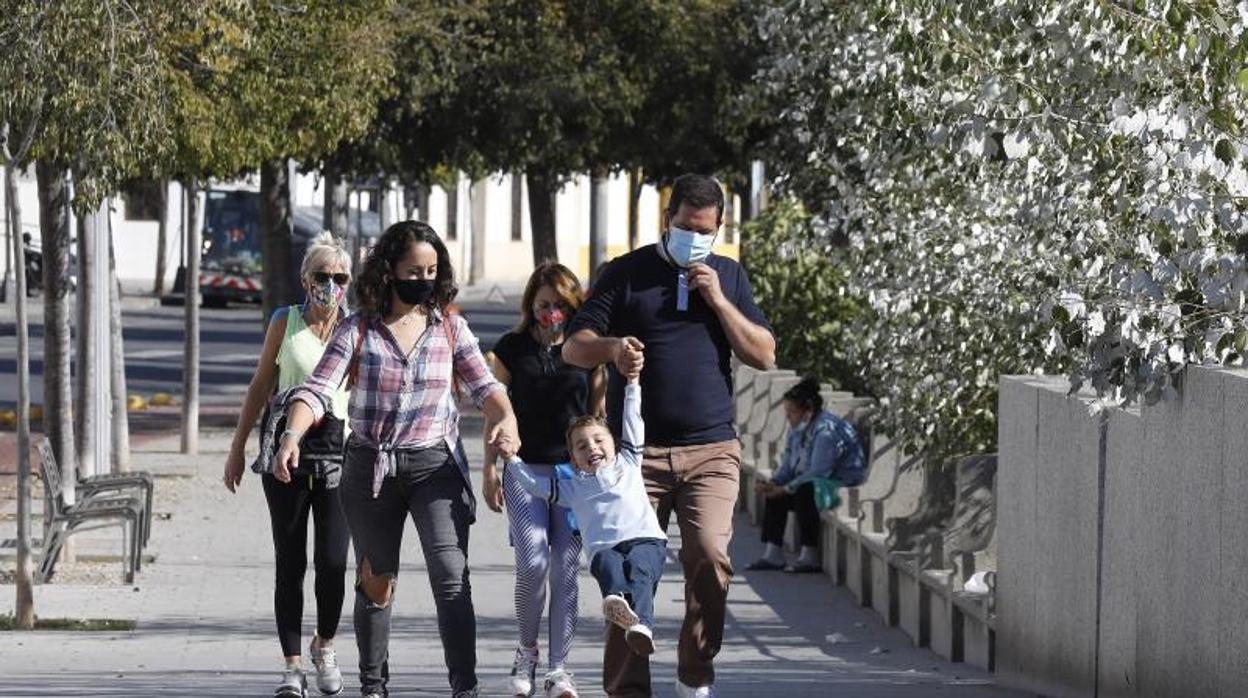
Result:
x=825 y=447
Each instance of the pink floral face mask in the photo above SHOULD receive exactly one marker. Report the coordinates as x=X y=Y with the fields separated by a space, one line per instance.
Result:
x=551 y=319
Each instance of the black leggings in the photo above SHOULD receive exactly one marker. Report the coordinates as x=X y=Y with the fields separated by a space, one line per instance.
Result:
x=289 y=505
x=776 y=515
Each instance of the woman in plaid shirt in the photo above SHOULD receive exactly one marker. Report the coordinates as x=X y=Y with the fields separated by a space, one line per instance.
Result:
x=405 y=358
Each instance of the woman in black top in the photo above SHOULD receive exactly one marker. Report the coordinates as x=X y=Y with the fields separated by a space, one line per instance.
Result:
x=546 y=394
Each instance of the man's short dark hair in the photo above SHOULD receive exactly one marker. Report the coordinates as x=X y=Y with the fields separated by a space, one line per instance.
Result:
x=699 y=191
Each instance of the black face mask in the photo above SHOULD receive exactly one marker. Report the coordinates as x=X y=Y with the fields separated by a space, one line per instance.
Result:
x=414 y=291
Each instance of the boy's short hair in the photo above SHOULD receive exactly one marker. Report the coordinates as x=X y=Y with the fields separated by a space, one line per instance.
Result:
x=582 y=422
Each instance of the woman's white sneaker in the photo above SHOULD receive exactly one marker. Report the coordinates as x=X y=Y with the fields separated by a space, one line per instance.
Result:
x=523 y=672
x=293 y=684
x=559 y=684
x=617 y=611
x=328 y=675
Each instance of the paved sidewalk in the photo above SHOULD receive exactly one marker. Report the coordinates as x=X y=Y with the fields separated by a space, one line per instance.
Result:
x=205 y=628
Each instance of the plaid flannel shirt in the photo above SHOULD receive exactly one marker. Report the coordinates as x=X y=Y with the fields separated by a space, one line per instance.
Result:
x=401 y=402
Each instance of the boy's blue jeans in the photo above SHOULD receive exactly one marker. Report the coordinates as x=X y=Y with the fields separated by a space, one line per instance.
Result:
x=632 y=569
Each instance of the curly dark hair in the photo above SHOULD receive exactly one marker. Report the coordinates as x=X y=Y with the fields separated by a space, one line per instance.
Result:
x=805 y=395
x=373 y=288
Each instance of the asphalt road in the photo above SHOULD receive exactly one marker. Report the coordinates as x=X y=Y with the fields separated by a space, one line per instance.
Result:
x=230 y=341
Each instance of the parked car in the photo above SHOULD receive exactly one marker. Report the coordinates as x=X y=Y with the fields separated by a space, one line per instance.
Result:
x=231 y=267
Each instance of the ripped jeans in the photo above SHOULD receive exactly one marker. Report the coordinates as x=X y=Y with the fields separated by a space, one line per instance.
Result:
x=429 y=486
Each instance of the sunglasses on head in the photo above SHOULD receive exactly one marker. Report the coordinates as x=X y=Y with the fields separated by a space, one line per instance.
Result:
x=321 y=277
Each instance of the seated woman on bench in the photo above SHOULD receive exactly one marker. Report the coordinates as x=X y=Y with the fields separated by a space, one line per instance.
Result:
x=820 y=446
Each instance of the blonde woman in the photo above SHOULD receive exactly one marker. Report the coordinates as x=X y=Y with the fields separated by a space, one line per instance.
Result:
x=293 y=346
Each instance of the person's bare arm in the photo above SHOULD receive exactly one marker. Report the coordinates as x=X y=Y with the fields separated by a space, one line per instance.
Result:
x=491 y=478
x=500 y=422
x=587 y=350
x=753 y=344
x=598 y=392
x=258 y=391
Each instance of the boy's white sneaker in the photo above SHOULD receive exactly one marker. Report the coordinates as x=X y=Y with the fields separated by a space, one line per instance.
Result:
x=640 y=640
x=690 y=692
x=617 y=611
x=559 y=684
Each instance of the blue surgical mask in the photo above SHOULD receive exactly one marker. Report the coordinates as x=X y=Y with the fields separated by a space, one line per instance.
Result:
x=687 y=247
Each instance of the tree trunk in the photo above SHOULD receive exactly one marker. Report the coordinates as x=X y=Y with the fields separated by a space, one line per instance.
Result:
x=117 y=368
x=634 y=198
x=542 y=216
x=162 y=240
x=409 y=203
x=337 y=205
x=276 y=230
x=422 y=203
x=383 y=204
x=599 y=220
x=87 y=360
x=58 y=423
x=476 y=227
x=190 y=357
x=24 y=579
x=8 y=229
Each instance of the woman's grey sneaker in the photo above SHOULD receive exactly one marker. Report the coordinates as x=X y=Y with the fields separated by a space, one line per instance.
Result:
x=523 y=672
x=559 y=684
x=474 y=693
x=294 y=684
x=328 y=675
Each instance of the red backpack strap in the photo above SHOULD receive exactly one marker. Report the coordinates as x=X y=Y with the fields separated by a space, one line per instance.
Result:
x=448 y=326
x=353 y=371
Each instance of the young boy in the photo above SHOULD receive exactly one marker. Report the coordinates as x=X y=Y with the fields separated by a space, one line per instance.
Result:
x=621 y=534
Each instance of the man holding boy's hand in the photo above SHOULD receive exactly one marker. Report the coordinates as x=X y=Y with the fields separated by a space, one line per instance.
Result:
x=688 y=311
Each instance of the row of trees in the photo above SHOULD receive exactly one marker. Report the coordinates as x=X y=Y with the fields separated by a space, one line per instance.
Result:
x=96 y=94
x=1016 y=187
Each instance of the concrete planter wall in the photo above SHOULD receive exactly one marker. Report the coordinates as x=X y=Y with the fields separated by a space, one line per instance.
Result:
x=1123 y=570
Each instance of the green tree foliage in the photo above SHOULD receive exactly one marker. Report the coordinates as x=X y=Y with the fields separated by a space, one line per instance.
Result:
x=84 y=80
x=255 y=82
x=800 y=286
x=1023 y=186
x=551 y=88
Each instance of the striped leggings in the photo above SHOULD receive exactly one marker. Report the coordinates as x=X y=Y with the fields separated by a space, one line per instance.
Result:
x=545 y=546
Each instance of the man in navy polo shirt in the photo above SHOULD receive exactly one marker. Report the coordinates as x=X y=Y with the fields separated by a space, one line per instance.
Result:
x=687 y=311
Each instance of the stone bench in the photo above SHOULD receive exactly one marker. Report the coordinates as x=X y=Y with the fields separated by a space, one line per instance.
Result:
x=760 y=429
x=958 y=624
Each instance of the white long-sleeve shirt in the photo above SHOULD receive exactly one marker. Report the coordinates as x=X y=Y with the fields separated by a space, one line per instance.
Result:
x=611 y=504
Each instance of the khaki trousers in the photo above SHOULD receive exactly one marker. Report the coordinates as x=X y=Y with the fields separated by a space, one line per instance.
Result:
x=700 y=484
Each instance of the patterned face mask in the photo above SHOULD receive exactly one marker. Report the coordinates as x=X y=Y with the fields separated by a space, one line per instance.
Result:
x=551 y=319
x=328 y=294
